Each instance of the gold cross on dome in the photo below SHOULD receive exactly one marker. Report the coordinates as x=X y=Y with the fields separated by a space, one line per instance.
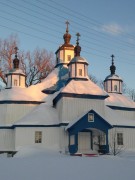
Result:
x=78 y=35
x=16 y=50
x=67 y=23
x=112 y=58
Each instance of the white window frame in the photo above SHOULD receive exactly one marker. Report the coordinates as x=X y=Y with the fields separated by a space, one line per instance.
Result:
x=38 y=136
x=90 y=117
x=120 y=139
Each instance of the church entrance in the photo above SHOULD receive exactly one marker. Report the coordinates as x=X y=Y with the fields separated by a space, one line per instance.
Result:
x=89 y=134
x=84 y=142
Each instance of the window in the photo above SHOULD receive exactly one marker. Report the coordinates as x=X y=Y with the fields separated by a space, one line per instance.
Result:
x=38 y=137
x=15 y=82
x=120 y=138
x=90 y=117
x=68 y=57
x=80 y=72
x=115 y=87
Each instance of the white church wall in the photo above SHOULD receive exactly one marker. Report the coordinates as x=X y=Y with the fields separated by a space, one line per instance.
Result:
x=127 y=114
x=59 y=107
x=68 y=53
x=10 y=113
x=9 y=81
x=64 y=141
x=25 y=136
x=22 y=81
x=128 y=137
x=75 y=107
x=7 y=140
x=61 y=55
x=72 y=70
x=110 y=86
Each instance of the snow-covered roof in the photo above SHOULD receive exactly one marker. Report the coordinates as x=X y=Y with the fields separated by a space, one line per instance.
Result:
x=83 y=87
x=114 y=118
x=119 y=100
x=32 y=93
x=113 y=76
x=110 y=116
x=16 y=71
x=21 y=94
x=43 y=114
x=78 y=59
x=49 y=81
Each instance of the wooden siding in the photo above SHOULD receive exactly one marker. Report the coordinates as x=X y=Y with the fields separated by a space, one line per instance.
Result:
x=75 y=107
x=10 y=113
x=128 y=137
x=25 y=136
x=64 y=140
x=127 y=114
x=7 y=140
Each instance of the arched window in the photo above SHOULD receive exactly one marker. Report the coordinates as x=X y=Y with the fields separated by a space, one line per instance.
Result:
x=15 y=82
x=80 y=72
x=68 y=57
x=115 y=87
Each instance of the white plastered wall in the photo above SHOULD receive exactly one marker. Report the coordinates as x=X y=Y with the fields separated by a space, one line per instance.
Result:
x=25 y=136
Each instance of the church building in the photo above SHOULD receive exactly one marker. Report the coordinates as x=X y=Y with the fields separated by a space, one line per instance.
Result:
x=66 y=112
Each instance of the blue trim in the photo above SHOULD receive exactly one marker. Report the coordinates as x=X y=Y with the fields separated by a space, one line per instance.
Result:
x=6 y=127
x=15 y=74
x=91 y=140
x=20 y=102
x=77 y=62
x=84 y=96
x=122 y=126
x=113 y=80
x=49 y=91
x=121 y=108
x=57 y=125
x=83 y=123
x=31 y=126
x=86 y=130
x=74 y=147
x=54 y=125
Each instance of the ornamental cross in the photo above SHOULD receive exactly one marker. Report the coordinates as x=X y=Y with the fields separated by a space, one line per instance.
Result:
x=67 y=23
x=112 y=58
x=78 y=35
x=16 y=50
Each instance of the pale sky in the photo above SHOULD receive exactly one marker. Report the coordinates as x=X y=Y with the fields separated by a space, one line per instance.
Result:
x=107 y=27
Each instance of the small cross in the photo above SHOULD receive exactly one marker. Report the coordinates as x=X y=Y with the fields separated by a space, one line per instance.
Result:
x=112 y=58
x=78 y=35
x=67 y=23
x=16 y=50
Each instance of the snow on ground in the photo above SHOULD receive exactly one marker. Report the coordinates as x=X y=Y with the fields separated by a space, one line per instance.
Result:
x=40 y=164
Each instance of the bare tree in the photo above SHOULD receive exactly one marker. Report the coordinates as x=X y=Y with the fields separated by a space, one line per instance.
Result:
x=116 y=145
x=36 y=65
x=6 y=51
x=94 y=79
x=129 y=92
